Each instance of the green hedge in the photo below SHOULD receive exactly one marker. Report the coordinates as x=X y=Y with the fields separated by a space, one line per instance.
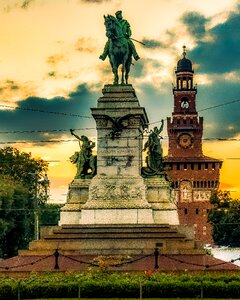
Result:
x=103 y=285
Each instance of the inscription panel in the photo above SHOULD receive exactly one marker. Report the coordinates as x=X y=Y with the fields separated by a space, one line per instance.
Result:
x=116 y=151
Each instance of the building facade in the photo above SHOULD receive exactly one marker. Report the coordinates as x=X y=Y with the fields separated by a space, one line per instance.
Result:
x=193 y=175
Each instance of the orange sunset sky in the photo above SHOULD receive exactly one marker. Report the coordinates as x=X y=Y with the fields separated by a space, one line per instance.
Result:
x=49 y=62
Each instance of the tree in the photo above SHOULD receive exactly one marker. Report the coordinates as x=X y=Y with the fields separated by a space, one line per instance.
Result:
x=21 y=190
x=49 y=214
x=225 y=218
x=24 y=169
x=16 y=216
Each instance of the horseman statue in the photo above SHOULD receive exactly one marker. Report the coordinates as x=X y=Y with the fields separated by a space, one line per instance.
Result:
x=126 y=30
x=119 y=47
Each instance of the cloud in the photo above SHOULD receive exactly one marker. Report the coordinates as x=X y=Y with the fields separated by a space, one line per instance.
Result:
x=153 y=44
x=11 y=89
x=85 y=45
x=55 y=59
x=78 y=102
x=52 y=74
x=9 y=84
x=220 y=121
x=95 y=1
x=218 y=59
x=13 y=4
x=195 y=23
x=224 y=120
x=137 y=70
x=26 y=3
x=221 y=54
x=156 y=101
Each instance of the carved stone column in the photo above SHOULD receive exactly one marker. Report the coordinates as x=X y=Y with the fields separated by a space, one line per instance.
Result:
x=117 y=194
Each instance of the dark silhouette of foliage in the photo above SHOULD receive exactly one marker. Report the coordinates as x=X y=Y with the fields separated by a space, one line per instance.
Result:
x=21 y=190
x=225 y=217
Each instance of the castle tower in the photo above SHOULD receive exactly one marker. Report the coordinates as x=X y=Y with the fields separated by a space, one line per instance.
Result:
x=194 y=175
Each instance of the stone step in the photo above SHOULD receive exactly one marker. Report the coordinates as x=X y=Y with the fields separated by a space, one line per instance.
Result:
x=113 y=230
x=113 y=246
x=116 y=235
x=110 y=239
x=104 y=252
x=122 y=226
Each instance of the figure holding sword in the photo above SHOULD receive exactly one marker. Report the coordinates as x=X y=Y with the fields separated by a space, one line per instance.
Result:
x=126 y=29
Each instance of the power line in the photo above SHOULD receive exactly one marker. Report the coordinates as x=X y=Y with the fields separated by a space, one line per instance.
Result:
x=36 y=142
x=94 y=128
x=219 y=105
x=90 y=128
x=45 y=111
x=45 y=131
x=90 y=117
x=203 y=109
x=70 y=140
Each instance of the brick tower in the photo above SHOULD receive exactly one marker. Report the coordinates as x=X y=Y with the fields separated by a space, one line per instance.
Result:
x=194 y=176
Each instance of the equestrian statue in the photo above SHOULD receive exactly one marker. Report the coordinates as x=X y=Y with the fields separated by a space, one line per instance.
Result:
x=119 y=47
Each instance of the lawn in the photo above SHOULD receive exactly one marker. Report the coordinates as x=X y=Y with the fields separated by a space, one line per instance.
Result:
x=132 y=299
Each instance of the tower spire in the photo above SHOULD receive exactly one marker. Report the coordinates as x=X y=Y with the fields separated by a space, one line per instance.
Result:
x=184 y=50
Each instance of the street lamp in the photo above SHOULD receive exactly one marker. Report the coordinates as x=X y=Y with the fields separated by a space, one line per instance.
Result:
x=44 y=181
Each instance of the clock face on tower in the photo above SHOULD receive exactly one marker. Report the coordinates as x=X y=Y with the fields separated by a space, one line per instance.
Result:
x=184 y=104
x=185 y=140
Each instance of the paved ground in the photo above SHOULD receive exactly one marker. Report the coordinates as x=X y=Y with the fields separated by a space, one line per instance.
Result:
x=171 y=263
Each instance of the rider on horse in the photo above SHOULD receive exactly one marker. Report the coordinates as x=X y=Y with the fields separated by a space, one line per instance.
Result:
x=127 y=33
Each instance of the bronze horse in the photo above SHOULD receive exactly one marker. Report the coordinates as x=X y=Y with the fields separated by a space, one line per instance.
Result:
x=119 y=52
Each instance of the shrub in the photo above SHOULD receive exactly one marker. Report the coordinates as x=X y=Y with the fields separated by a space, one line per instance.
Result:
x=118 y=285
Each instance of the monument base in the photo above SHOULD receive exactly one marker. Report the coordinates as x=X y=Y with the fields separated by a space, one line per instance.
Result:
x=117 y=216
x=77 y=196
x=162 y=203
x=110 y=239
x=117 y=192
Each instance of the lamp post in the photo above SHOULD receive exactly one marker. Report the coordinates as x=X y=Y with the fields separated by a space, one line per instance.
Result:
x=35 y=206
x=44 y=180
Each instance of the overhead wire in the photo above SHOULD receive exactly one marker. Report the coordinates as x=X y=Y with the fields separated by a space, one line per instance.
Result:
x=204 y=109
x=102 y=138
x=45 y=111
x=44 y=131
x=87 y=128
x=90 y=117
x=219 y=105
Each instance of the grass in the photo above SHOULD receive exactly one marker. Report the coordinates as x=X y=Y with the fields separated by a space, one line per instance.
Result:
x=132 y=299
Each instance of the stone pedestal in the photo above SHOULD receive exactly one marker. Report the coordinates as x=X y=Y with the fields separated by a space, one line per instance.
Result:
x=78 y=194
x=120 y=122
x=117 y=194
x=162 y=202
x=118 y=212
